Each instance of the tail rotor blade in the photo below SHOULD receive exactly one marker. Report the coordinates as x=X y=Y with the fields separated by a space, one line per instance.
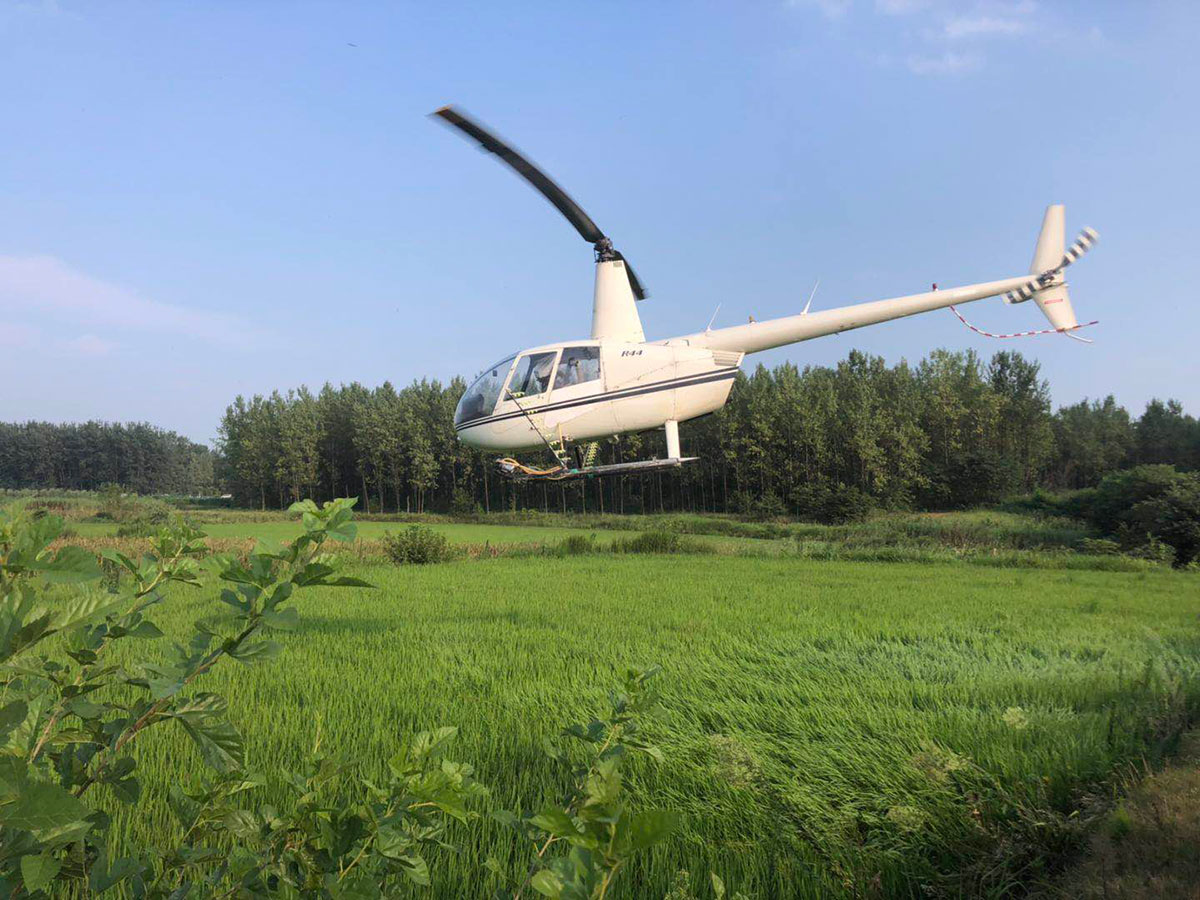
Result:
x=1086 y=240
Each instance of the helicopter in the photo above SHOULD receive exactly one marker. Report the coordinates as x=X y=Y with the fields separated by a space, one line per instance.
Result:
x=567 y=395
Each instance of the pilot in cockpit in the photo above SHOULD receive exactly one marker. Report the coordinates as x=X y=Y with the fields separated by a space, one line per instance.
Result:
x=540 y=379
x=568 y=372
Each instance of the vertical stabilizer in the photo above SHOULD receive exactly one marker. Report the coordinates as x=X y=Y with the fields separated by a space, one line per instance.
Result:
x=1053 y=300
x=1049 y=250
x=614 y=309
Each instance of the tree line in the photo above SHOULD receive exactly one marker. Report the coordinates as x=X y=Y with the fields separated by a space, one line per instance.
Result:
x=87 y=456
x=951 y=431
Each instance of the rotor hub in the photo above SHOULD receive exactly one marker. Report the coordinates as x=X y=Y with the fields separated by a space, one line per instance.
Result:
x=604 y=250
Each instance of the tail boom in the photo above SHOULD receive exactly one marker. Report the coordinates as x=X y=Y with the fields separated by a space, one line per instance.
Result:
x=758 y=336
x=1046 y=287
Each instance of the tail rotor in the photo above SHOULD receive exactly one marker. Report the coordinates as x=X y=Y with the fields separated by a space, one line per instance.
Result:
x=1048 y=288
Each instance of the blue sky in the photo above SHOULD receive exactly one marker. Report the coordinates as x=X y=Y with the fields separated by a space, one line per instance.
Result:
x=202 y=200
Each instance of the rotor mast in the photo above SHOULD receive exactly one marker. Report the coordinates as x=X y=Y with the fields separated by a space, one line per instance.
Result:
x=614 y=305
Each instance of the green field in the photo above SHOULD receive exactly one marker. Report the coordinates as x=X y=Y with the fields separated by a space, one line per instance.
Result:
x=278 y=529
x=830 y=727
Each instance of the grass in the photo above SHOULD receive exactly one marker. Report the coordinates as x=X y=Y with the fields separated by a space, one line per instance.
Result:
x=831 y=728
x=1146 y=849
x=984 y=538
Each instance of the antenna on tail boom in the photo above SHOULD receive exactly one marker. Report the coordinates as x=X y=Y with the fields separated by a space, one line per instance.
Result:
x=804 y=312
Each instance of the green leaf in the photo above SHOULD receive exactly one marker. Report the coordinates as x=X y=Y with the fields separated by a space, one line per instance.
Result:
x=652 y=826
x=425 y=744
x=260 y=651
x=218 y=742
x=415 y=869
x=556 y=821
x=494 y=866
x=41 y=808
x=12 y=715
x=119 y=558
x=241 y=823
x=228 y=596
x=127 y=789
x=102 y=876
x=282 y=592
x=86 y=609
x=547 y=883
x=201 y=706
x=347 y=531
x=70 y=564
x=718 y=886
x=186 y=809
x=38 y=871
x=41 y=531
x=145 y=629
x=161 y=688
x=85 y=708
x=72 y=736
x=282 y=619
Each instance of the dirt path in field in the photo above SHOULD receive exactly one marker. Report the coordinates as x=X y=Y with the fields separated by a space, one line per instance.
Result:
x=1150 y=845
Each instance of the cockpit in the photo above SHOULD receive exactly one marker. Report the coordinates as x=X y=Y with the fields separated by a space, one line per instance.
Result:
x=535 y=373
x=480 y=398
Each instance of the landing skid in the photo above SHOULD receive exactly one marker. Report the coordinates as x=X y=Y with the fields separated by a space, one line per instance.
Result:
x=515 y=471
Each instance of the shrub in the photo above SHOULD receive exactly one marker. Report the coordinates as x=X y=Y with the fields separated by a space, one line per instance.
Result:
x=462 y=503
x=766 y=505
x=836 y=504
x=143 y=517
x=1174 y=518
x=659 y=542
x=967 y=479
x=575 y=545
x=417 y=545
x=112 y=502
x=1145 y=506
x=1107 y=505
x=649 y=542
x=1099 y=546
x=148 y=513
x=845 y=504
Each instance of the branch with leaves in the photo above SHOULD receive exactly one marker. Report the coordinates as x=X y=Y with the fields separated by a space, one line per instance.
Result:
x=594 y=824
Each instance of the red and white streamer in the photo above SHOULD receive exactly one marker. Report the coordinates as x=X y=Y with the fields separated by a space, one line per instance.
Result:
x=1066 y=331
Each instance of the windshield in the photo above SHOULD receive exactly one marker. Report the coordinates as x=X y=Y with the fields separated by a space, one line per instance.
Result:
x=480 y=398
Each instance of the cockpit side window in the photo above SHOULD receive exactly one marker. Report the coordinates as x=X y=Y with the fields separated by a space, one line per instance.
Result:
x=577 y=366
x=532 y=375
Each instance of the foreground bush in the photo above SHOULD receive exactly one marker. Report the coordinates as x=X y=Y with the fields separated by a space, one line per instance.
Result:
x=70 y=717
x=417 y=545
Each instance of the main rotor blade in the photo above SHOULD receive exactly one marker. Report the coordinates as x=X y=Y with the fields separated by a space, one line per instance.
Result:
x=527 y=170
x=635 y=283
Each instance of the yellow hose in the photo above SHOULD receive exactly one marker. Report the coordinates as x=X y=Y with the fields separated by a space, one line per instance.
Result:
x=559 y=471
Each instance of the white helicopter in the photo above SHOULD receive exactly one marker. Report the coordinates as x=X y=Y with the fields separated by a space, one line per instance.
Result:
x=573 y=393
